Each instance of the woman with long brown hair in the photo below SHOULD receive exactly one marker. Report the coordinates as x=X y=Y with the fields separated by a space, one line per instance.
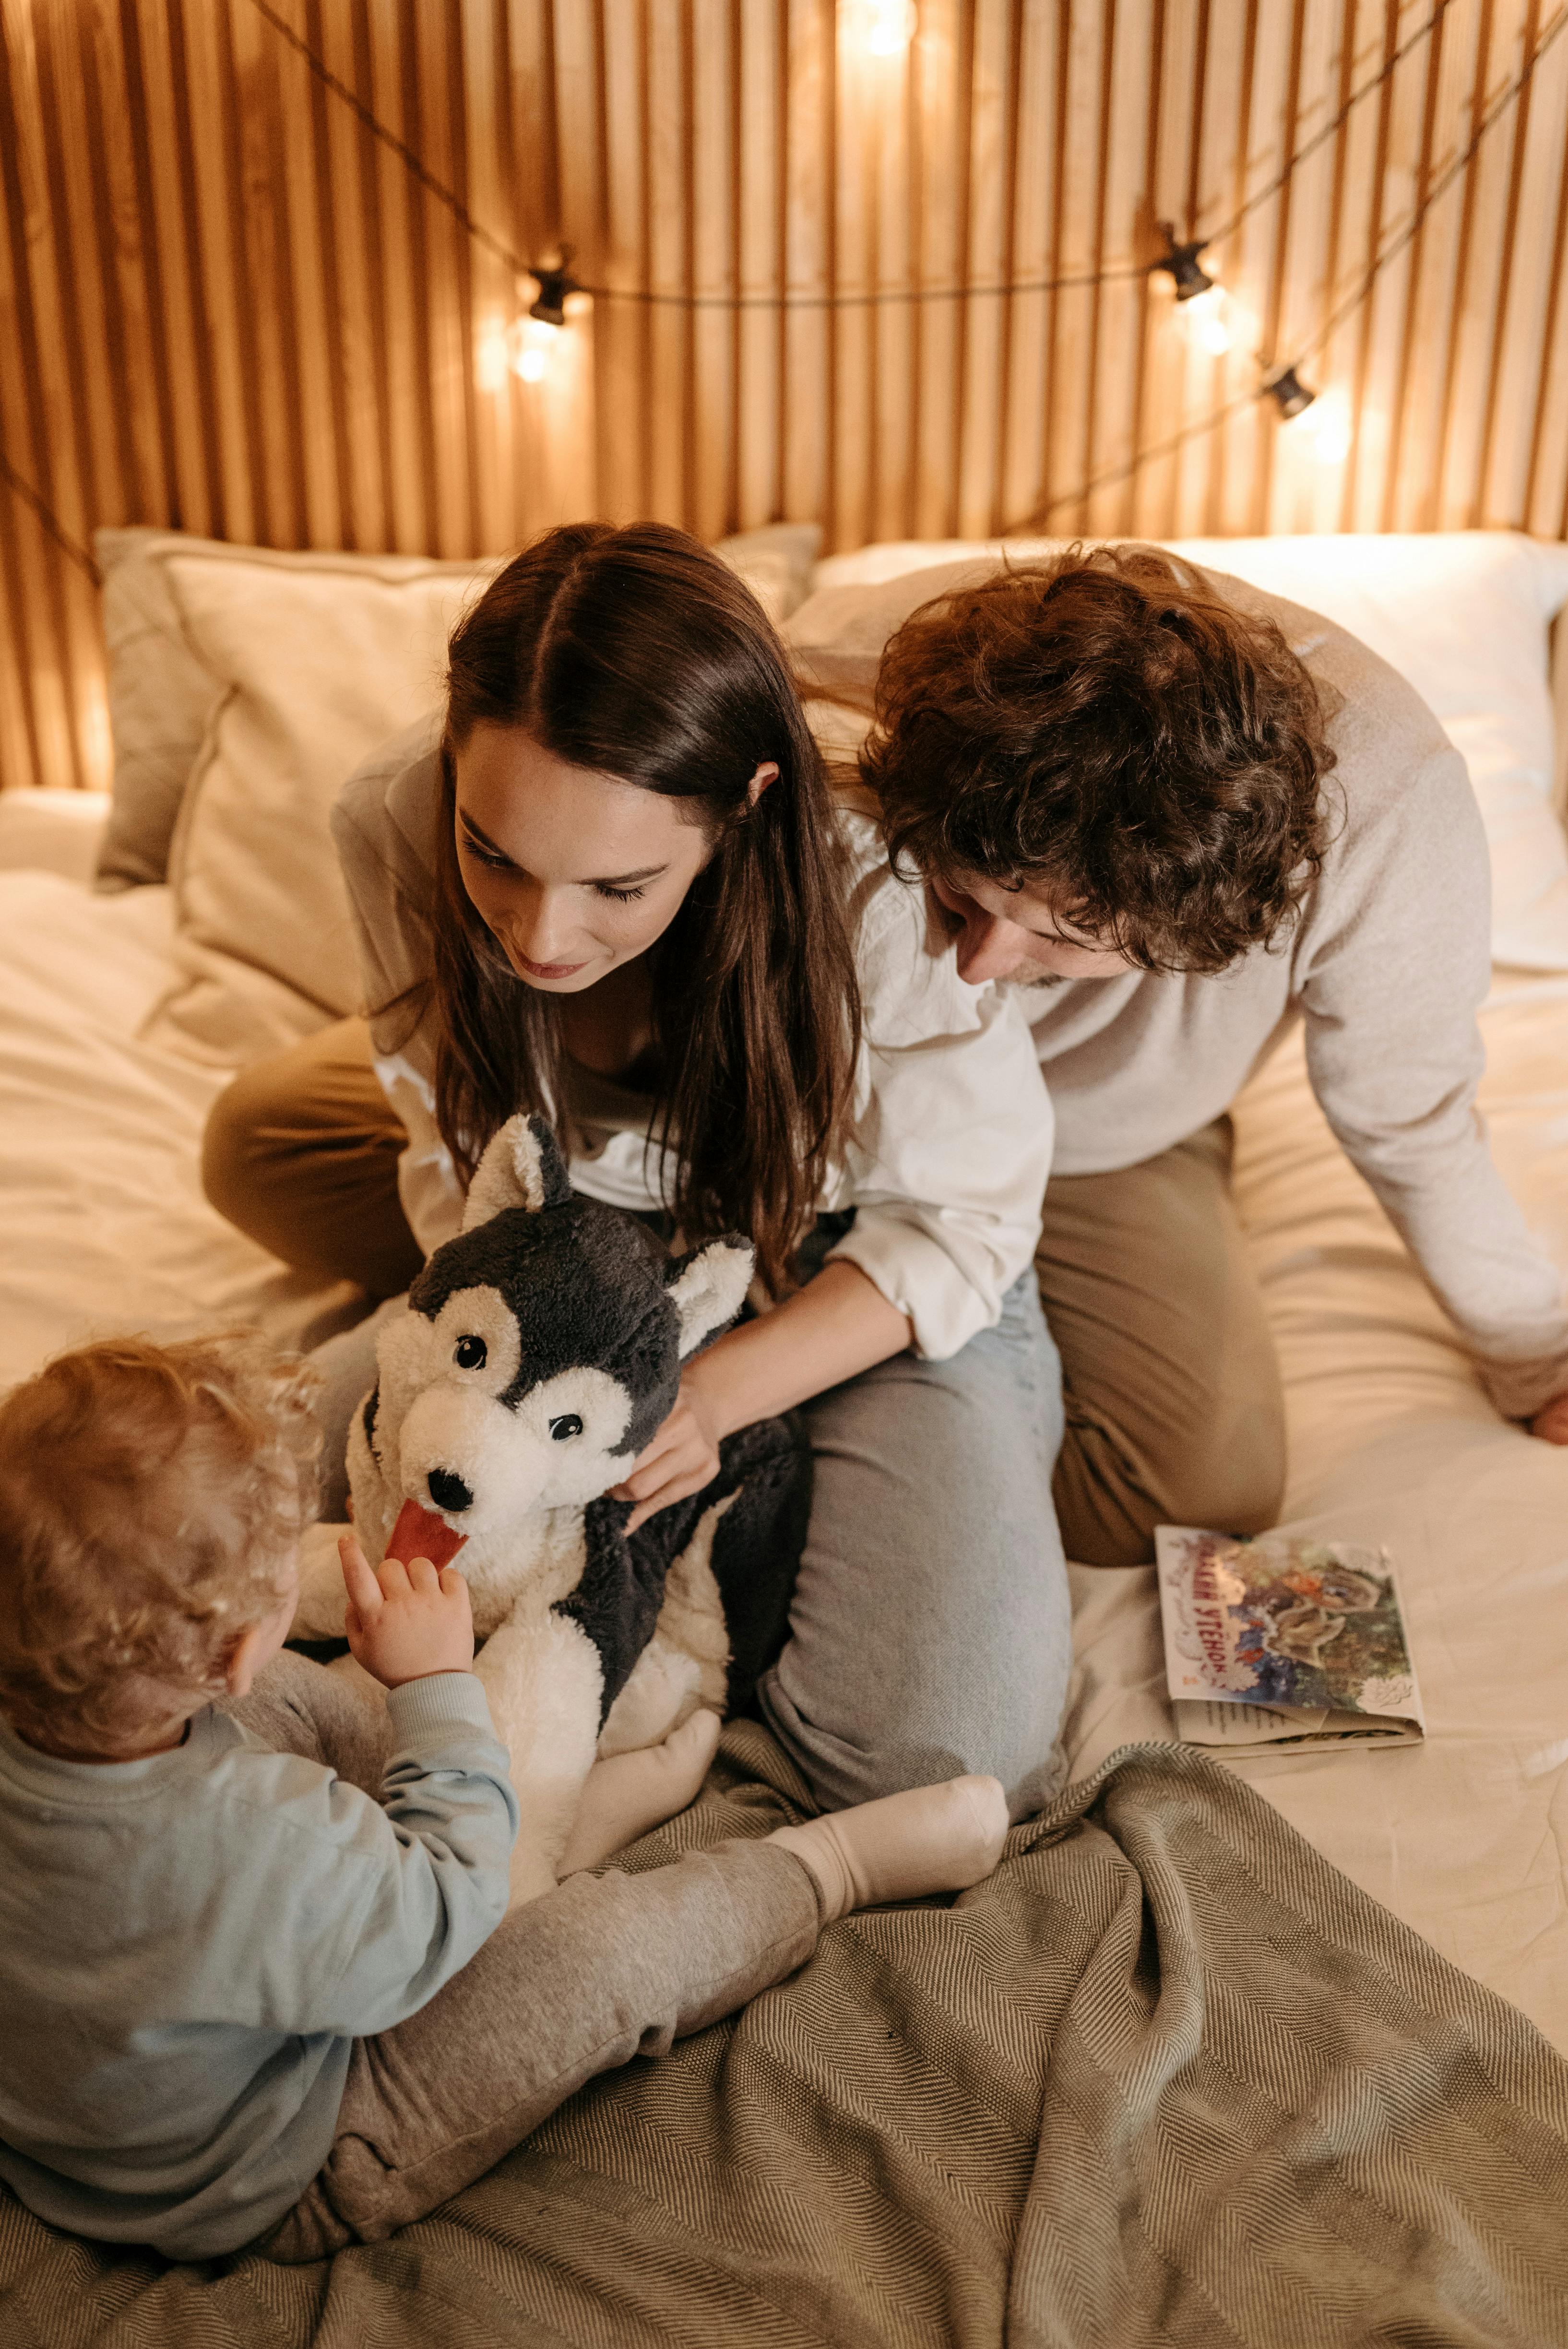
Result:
x=608 y=885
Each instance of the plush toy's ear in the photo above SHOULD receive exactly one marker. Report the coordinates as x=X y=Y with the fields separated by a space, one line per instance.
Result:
x=708 y=1288
x=522 y=1167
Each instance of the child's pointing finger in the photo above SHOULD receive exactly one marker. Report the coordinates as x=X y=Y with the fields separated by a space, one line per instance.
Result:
x=364 y=1590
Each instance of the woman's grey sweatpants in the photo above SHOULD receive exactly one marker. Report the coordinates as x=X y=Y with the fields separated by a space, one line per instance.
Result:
x=600 y=1970
x=931 y=1629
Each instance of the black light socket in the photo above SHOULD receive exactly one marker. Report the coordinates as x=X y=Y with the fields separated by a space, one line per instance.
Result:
x=553 y=284
x=1183 y=264
x=1290 y=395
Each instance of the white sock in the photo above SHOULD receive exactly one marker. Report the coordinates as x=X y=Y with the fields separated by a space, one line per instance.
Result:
x=931 y=1839
x=627 y=1794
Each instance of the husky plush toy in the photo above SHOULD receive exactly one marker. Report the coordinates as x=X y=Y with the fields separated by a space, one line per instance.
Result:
x=539 y=1353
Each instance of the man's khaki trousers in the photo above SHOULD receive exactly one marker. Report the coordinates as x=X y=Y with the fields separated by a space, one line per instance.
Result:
x=1174 y=1415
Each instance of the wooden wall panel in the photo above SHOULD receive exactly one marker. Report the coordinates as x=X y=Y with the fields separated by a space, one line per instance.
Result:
x=228 y=306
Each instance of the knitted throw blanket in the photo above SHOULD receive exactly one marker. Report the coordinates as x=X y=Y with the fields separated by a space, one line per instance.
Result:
x=1166 y=2079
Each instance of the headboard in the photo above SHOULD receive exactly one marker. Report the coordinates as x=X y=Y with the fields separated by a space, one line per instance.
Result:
x=883 y=265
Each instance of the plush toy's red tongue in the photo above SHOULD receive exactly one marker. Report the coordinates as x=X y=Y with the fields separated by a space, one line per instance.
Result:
x=419 y=1533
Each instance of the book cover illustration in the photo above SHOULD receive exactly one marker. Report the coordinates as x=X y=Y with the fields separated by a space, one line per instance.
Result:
x=1280 y=1641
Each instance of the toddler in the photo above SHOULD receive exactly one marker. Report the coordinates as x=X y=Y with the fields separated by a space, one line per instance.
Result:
x=246 y=2002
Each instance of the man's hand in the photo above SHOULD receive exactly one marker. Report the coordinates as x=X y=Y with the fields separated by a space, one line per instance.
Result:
x=682 y=1458
x=1551 y=1421
x=404 y=1622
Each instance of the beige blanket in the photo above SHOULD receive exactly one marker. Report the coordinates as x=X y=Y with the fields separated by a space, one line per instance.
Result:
x=1166 y=2079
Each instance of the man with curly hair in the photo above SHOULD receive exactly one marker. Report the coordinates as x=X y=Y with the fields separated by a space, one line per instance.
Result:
x=1183 y=813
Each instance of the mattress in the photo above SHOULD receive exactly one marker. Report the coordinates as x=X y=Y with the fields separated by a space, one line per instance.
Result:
x=1391 y=1438
x=103 y=1222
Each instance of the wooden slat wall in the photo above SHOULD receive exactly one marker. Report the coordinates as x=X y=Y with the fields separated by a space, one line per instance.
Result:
x=225 y=306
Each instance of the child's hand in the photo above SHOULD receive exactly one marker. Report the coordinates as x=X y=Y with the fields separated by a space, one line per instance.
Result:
x=405 y=1622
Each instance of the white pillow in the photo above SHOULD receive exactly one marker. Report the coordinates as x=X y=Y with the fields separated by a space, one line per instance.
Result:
x=316 y=665
x=1462 y=615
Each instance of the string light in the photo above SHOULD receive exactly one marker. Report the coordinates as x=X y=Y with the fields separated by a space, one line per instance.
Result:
x=1212 y=323
x=531 y=347
x=555 y=284
x=883 y=28
x=1319 y=425
x=1290 y=395
x=887 y=27
x=1206 y=314
x=532 y=342
x=1187 y=273
x=1207 y=322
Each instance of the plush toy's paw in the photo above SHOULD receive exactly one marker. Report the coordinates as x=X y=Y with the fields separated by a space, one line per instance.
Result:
x=628 y=1794
x=322 y=1597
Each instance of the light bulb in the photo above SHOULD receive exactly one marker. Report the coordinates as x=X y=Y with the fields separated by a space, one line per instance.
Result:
x=532 y=346
x=1206 y=321
x=1324 y=428
x=884 y=29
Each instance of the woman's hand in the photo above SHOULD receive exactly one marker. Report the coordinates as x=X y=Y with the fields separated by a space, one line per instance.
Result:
x=682 y=1458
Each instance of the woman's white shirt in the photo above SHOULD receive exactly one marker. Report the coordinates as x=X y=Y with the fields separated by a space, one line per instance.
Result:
x=953 y=1134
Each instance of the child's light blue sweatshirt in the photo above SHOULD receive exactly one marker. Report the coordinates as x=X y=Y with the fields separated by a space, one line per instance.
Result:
x=189 y=1943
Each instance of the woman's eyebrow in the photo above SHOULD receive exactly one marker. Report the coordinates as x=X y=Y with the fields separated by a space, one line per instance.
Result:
x=606 y=880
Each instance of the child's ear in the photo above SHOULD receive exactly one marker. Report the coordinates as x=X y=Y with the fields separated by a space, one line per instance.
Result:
x=240 y=1669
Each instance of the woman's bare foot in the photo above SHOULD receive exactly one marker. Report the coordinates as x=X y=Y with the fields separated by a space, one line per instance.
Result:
x=628 y=1794
x=930 y=1839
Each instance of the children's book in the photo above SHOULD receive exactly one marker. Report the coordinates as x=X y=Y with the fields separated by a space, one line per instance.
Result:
x=1279 y=1641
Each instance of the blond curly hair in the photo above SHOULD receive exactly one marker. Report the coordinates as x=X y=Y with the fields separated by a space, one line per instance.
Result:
x=151 y=1501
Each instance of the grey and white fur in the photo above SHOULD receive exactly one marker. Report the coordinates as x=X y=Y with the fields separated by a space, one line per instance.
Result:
x=540 y=1352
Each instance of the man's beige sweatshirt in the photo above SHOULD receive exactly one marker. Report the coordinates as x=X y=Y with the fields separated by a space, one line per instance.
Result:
x=1386 y=966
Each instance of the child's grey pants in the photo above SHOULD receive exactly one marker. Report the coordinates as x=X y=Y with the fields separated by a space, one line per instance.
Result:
x=602 y=1969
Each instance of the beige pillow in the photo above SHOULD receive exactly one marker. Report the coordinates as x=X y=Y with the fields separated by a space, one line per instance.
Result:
x=317 y=662
x=160 y=696
x=777 y=563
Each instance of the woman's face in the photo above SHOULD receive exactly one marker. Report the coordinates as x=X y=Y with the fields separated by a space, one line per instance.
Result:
x=573 y=872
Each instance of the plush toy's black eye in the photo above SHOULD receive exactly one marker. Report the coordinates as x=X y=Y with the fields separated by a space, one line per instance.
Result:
x=469 y=1353
x=566 y=1427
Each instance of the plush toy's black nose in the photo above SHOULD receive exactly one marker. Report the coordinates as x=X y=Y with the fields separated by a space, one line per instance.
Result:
x=447 y=1491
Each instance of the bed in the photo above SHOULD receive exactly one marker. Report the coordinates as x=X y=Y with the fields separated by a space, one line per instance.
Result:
x=244 y=684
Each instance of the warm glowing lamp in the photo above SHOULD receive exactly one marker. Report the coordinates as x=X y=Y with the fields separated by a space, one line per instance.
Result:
x=884 y=29
x=532 y=341
x=531 y=347
x=1321 y=425
x=1206 y=320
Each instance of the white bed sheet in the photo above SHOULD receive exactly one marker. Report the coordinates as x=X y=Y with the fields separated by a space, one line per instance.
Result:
x=1391 y=1439
x=103 y=1222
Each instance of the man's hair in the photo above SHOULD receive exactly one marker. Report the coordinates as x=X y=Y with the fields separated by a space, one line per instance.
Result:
x=1104 y=728
x=151 y=1498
